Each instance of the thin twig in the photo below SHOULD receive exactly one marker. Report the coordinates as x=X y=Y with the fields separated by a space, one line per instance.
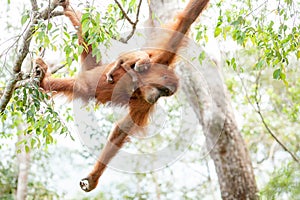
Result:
x=257 y=109
x=134 y=24
x=124 y=13
x=56 y=68
x=34 y=5
x=5 y=52
x=56 y=14
x=23 y=51
x=265 y=123
x=252 y=11
x=246 y=92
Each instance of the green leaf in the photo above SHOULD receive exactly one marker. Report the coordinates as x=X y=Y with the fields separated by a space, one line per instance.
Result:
x=69 y=61
x=298 y=54
x=132 y=3
x=49 y=128
x=49 y=26
x=80 y=49
x=53 y=47
x=218 y=30
x=27 y=149
x=32 y=143
x=63 y=130
x=276 y=74
x=41 y=36
x=85 y=17
x=21 y=142
x=24 y=19
x=282 y=76
x=46 y=41
x=67 y=34
x=85 y=26
x=49 y=139
x=68 y=50
x=232 y=60
x=259 y=64
x=234 y=66
x=75 y=56
x=228 y=62
x=201 y=57
x=98 y=57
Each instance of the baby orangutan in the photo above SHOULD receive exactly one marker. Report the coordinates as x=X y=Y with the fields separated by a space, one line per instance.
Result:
x=136 y=60
x=139 y=60
x=138 y=91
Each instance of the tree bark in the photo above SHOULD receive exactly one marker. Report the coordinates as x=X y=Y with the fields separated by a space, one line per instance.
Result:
x=23 y=49
x=211 y=104
x=23 y=159
x=223 y=139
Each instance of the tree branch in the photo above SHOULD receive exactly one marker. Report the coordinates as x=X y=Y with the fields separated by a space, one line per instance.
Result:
x=252 y=11
x=34 y=5
x=58 y=67
x=23 y=51
x=134 y=24
x=257 y=109
x=54 y=14
x=266 y=125
x=124 y=13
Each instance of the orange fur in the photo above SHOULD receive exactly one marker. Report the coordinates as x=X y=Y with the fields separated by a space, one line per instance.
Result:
x=174 y=38
x=88 y=61
x=152 y=84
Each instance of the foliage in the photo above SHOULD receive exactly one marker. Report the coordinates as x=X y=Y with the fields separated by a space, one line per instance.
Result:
x=8 y=182
x=30 y=107
x=280 y=110
x=260 y=44
x=94 y=32
x=284 y=183
x=252 y=25
x=99 y=28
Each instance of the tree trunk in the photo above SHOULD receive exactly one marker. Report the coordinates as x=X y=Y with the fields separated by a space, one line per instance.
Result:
x=208 y=97
x=23 y=170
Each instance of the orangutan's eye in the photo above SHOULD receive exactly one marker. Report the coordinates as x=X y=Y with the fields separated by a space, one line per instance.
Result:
x=167 y=91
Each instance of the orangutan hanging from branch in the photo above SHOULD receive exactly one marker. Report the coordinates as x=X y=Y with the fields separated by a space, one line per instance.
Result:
x=136 y=80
